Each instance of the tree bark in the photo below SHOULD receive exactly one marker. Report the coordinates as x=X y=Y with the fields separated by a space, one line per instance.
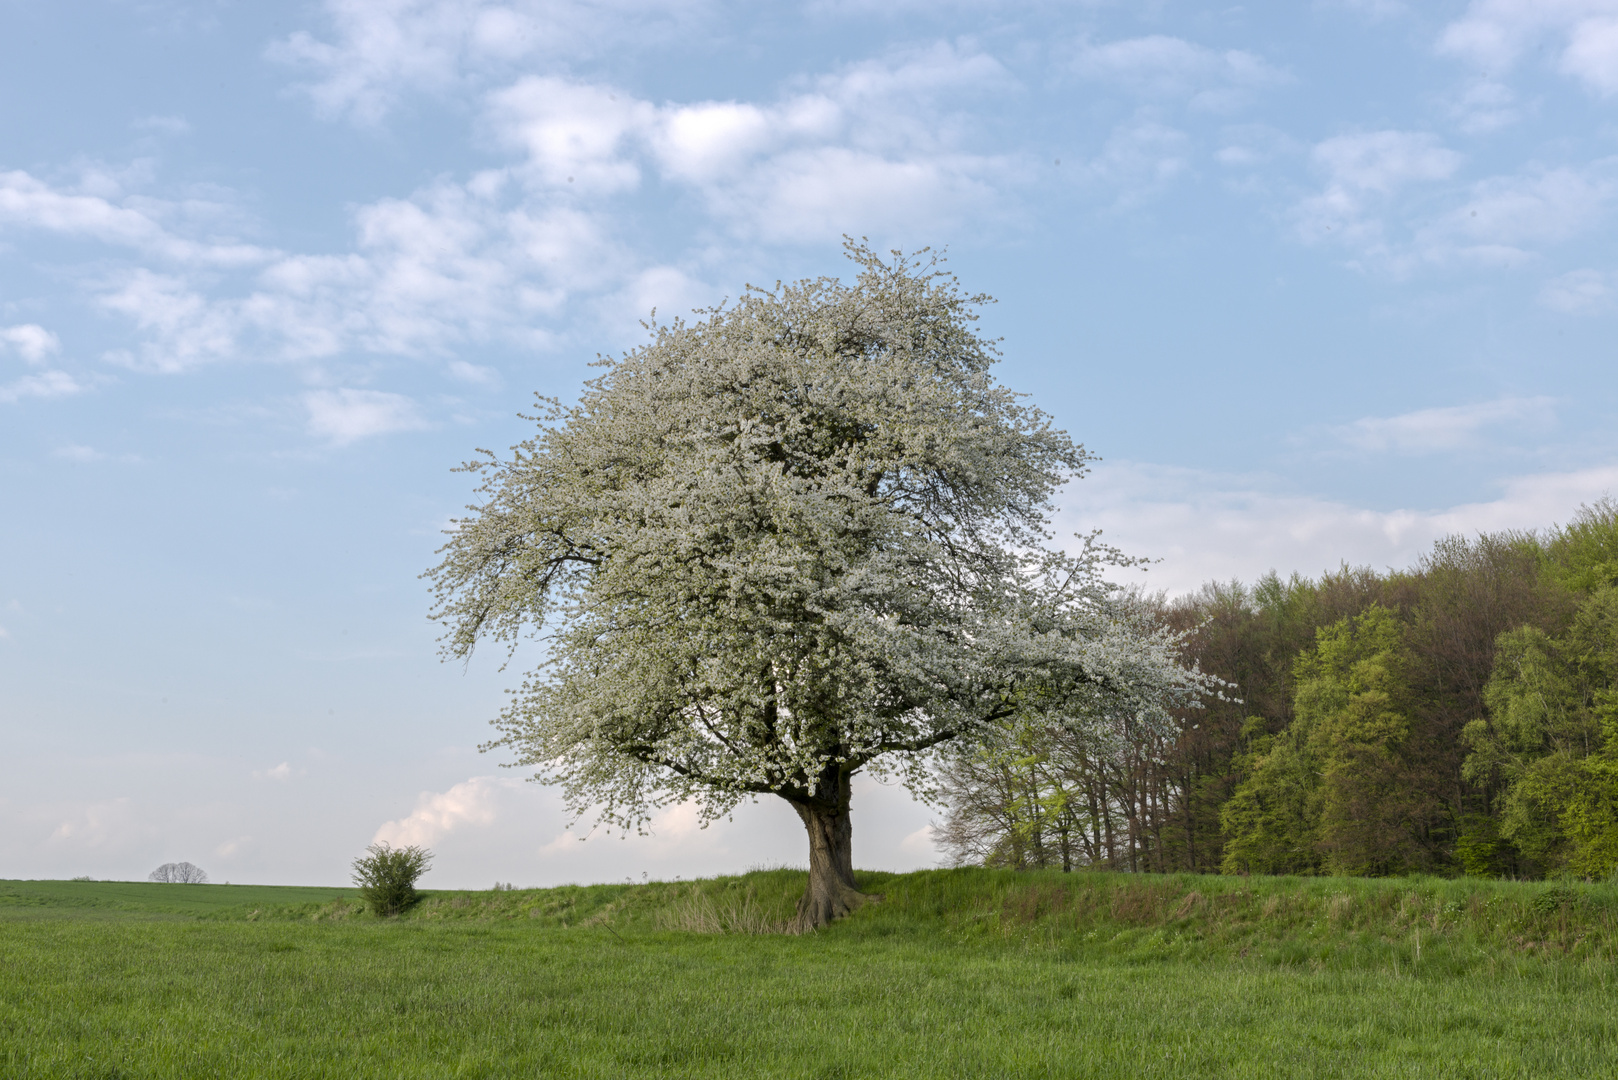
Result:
x=831 y=893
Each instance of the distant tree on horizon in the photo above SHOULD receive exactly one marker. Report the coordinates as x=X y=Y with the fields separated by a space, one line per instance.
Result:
x=179 y=873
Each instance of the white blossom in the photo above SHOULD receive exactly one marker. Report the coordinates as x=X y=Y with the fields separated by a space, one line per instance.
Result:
x=796 y=537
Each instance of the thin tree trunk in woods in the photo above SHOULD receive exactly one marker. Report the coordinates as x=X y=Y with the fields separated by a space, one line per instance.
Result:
x=1108 y=836
x=1033 y=813
x=1093 y=836
x=831 y=893
x=1190 y=822
x=1160 y=811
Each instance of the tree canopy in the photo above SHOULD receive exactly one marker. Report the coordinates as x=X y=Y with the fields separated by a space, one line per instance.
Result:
x=800 y=536
x=1458 y=717
x=179 y=873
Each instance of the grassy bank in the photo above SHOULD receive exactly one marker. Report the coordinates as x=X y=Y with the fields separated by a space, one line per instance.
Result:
x=954 y=973
x=1342 y=922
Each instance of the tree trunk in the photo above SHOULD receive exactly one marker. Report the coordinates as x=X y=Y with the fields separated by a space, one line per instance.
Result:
x=831 y=893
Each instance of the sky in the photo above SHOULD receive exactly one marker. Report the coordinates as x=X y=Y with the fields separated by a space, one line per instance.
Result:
x=1318 y=282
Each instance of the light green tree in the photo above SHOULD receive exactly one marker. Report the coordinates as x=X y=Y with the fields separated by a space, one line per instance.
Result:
x=1272 y=820
x=1549 y=744
x=799 y=537
x=1328 y=792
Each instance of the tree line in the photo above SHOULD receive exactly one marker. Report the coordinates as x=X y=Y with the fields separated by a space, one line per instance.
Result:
x=1457 y=717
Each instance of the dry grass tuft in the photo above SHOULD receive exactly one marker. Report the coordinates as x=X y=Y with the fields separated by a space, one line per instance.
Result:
x=698 y=913
x=1189 y=904
x=1340 y=908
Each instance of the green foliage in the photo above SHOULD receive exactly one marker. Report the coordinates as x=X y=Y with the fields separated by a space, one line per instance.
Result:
x=1479 y=848
x=1455 y=718
x=1032 y=794
x=1328 y=793
x=387 y=876
x=1271 y=821
x=1547 y=747
x=1582 y=556
x=1353 y=709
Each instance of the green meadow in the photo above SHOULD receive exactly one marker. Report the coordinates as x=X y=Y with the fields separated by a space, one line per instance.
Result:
x=969 y=973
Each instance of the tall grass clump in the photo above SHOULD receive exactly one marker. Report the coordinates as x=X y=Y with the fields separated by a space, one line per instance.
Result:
x=701 y=912
x=387 y=876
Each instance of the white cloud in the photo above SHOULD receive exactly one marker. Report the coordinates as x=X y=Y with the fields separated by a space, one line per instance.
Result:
x=870 y=148
x=104 y=824
x=448 y=266
x=893 y=9
x=666 y=289
x=1363 y=173
x=345 y=416
x=574 y=135
x=1495 y=34
x=702 y=142
x=1208 y=526
x=919 y=74
x=1160 y=66
x=183 y=327
x=1507 y=217
x=921 y=843
x=35 y=345
x=1139 y=160
x=46 y=384
x=31 y=203
x=382 y=49
x=474 y=373
x=437 y=814
x=509 y=254
x=1449 y=428
x=164 y=125
x=1384 y=161
x=79 y=454
x=818 y=195
x=451 y=265
x=1580 y=292
x=281 y=772
x=1384 y=189
x=1592 y=52
x=1485 y=105
x=1376 y=10
x=1249 y=147
x=30 y=341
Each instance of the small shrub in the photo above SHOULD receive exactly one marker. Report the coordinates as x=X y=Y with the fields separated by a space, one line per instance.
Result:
x=387 y=876
x=1555 y=898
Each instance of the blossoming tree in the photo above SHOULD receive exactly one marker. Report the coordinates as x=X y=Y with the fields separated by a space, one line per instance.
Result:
x=802 y=536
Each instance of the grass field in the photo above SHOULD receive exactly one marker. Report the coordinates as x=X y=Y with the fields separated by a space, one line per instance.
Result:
x=955 y=973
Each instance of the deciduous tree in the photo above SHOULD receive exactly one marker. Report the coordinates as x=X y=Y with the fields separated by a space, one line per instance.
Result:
x=799 y=537
x=179 y=873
